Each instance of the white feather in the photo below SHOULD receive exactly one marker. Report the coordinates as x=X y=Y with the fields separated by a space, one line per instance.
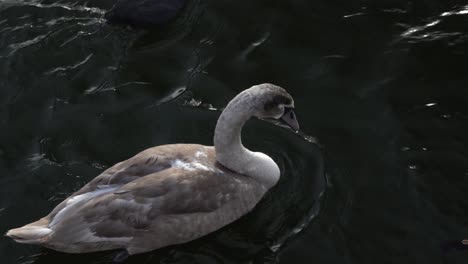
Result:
x=77 y=200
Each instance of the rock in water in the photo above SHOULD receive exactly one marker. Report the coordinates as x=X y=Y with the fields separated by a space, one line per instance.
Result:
x=144 y=13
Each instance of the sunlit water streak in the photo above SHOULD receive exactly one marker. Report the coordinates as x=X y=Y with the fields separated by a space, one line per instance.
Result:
x=66 y=6
x=423 y=32
x=419 y=28
x=71 y=67
x=461 y=11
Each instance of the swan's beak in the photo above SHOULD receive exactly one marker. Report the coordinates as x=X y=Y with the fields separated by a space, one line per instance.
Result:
x=289 y=118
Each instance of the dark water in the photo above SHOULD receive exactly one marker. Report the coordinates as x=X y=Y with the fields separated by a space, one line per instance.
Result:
x=381 y=85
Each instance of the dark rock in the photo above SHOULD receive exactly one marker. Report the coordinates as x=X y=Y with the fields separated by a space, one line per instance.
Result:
x=145 y=13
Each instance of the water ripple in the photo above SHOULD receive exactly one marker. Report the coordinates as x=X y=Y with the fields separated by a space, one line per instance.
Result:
x=463 y=11
x=37 y=160
x=306 y=220
x=413 y=30
x=21 y=45
x=254 y=45
x=72 y=67
x=69 y=7
x=78 y=35
x=105 y=88
x=353 y=15
x=420 y=32
x=58 y=20
x=16 y=28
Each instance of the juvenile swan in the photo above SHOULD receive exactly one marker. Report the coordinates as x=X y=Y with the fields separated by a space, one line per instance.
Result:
x=169 y=194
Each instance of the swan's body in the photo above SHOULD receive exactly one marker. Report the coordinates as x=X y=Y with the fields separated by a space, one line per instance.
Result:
x=168 y=194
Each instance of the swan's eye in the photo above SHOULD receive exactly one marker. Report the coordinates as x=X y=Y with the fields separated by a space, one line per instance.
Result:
x=270 y=105
x=288 y=111
x=276 y=101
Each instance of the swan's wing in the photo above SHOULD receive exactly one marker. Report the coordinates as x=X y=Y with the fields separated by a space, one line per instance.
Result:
x=145 y=163
x=158 y=201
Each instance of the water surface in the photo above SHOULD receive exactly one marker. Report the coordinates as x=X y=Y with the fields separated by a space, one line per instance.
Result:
x=381 y=85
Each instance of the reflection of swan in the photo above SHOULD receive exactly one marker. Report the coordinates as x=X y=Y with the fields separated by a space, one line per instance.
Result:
x=144 y=13
x=169 y=194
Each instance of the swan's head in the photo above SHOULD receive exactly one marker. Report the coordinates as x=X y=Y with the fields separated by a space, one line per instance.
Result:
x=272 y=101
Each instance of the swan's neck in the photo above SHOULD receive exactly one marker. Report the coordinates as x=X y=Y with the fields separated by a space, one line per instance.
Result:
x=228 y=144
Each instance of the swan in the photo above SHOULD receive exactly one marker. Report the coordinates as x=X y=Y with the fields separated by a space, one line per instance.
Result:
x=169 y=194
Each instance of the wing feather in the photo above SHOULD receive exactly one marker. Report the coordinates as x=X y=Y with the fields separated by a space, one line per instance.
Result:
x=167 y=193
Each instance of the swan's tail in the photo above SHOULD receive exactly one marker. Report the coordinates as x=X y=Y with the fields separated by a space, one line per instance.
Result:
x=30 y=234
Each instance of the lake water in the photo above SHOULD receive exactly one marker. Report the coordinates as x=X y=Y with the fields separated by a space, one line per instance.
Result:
x=378 y=174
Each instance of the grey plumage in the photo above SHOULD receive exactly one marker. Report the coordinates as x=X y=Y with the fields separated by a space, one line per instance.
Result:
x=168 y=194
